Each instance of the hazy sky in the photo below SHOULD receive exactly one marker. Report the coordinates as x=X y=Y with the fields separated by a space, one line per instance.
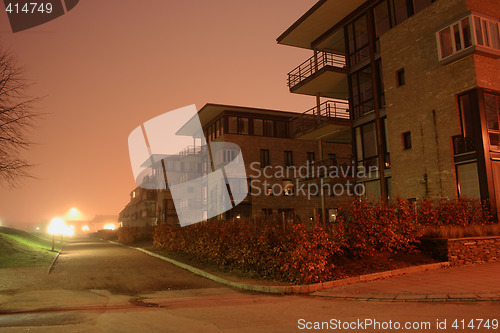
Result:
x=105 y=67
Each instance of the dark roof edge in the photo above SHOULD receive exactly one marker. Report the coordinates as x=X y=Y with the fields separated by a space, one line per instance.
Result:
x=300 y=20
x=244 y=107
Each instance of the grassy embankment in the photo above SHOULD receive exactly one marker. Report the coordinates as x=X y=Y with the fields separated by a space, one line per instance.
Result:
x=23 y=249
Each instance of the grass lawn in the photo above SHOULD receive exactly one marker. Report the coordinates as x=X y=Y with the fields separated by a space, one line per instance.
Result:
x=22 y=249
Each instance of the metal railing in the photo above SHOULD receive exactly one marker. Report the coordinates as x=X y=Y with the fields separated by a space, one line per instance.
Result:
x=462 y=145
x=314 y=64
x=326 y=111
x=191 y=150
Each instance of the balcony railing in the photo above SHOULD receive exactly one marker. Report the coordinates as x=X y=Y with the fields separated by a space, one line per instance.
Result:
x=462 y=145
x=328 y=110
x=311 y=66
x=191 y=150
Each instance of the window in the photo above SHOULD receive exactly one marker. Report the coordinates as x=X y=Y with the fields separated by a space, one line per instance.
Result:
x=366 y=145
x=468 y=181
x=288 y=158
x=232 y=125
x=243 y=126
x=332 y=159
x=268 y=128
x=311 y=157
x=287 y=186
x=281 y=129
x=401 y=11
x=258 y=127
x=419 y=5
x=382 y=21
x=492 y=110
x=362 y=92
x=358 y=40
x=400 y=77
x=472 y=30
x=264 y=158
x=406 y=138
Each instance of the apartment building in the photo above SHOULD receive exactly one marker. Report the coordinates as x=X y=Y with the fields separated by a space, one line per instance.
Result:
x=285 y=176
x=422 y=81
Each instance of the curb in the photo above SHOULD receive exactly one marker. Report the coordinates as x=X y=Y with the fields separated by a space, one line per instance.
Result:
x=296 y=289
x=54 y=260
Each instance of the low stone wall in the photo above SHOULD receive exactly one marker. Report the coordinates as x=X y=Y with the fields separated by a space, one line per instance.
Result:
x=463 y=251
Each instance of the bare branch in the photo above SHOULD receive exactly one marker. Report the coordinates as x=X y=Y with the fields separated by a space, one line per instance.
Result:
x=17 y=117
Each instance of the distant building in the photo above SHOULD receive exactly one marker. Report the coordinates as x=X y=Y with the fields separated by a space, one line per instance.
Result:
x=141 y=210
x=100 y=222
x=422 y=80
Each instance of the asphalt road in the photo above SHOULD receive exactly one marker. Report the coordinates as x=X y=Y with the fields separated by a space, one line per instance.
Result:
x=101 y=287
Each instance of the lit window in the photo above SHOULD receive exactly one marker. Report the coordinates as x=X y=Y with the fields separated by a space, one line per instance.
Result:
x=472 y=30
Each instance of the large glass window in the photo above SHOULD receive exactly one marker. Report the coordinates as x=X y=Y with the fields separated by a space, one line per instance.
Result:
x=492 y=110
x=358 y=40
x=401 y=10
x=468 y=181
x=366 y=145
x=362 y=92
x=382 y=21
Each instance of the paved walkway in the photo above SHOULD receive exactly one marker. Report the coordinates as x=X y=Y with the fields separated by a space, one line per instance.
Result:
x=454 y=284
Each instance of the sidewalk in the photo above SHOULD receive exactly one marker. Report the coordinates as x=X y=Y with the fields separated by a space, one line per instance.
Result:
x=454 y=284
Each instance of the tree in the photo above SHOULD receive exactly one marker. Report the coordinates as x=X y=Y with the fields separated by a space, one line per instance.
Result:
x=17 y=117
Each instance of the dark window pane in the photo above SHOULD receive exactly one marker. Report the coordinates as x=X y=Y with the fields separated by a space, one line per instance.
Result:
x=479 y=33
x=242 y=125
x=382 y=22
x=445 y=42
x=281 y=129
x=258 y=127
x=400 y=11
x=369 y=141
x=311 y=158
x=495 y=37
x=466 y=32
x=232 y=125
x=268 y=128
x=492 y=109
x=456 y=37
x=418 y=5
x=288 y=158
x=264 y=158
x=406 y=140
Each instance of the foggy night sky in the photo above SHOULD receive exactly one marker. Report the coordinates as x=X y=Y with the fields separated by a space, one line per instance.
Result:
x=105 y=67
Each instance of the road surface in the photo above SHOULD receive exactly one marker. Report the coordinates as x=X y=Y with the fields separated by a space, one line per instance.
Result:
x=101 y=287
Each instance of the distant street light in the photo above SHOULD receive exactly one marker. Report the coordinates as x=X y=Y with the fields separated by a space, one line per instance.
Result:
x=56 y=227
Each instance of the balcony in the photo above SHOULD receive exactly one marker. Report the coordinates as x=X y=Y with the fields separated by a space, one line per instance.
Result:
x=330 y=119
x=463 y=145
x=324 y=74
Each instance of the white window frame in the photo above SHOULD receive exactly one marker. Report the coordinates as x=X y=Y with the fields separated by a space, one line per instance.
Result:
x=486 y=35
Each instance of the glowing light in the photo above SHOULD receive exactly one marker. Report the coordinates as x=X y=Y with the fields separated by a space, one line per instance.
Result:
x=56 y=226
x=74 y=214
x=109 y=226
x=69 y=230
x=37 y=228
x=85 y=228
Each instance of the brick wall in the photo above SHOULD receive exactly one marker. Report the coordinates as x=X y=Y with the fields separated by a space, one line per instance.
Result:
x=426 y=104
x=304 y=206
x=463 y=251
